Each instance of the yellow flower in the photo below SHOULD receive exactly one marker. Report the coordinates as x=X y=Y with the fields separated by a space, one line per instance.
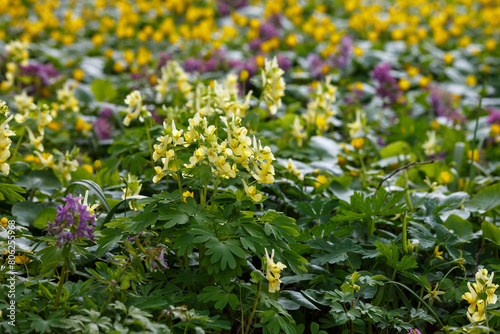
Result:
x=244 y=75
x=434 y=293
x=78 y=74
x=88 y=168
x=273 y=272
x=495 y=130
x=437 y=254
x=291 y=40
x=97 y=164
x=445 y=177
x=187 y=193
x=83 y=126
x=424 y=81
x=472 y=156
x=259 y=61
x=448 y=58
x=471 y=80
x=321 y=180
x=22 y=259
x=4 y=221
x=404 y=84
x=251 y=192
x=358 y=51
x=358 y=143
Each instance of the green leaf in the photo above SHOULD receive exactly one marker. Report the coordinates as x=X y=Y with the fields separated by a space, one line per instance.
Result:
x=491 y=232
x=335 y=251
x=103 y=90
x=43 y=180
x=95 y=189
x=460 y=227
x=488 y=198
x=299 y=298
x=11 y=192
x=390 y=252
x=407 y=262
x=43 y=218
x=173 y=217
x=26 y=212
x=110 y=237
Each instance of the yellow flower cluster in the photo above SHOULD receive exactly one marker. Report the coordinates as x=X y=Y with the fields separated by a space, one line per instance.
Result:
x=17 y=54
x=273 y=272
x=480 y=295
x=172 y=72
x=5 y=141
x=135 y=109
x=238 y=148
x=273 y=85
x=319 y=108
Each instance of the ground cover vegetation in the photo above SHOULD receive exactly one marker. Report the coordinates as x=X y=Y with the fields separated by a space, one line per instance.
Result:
x=285 y=166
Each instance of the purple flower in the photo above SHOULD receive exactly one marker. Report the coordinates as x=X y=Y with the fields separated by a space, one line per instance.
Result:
x=387 y=88
x=163 y=59
x=442 y=103
x=72 y=222
x=414 y=331
x=284 y=63
x=343 y=57
x=158 y=260
x=42 y=74
x=210 y=65
x=494 y=116
x=268 y=31
x=106 y=113
x=255 y=44
x=103 y=128
x=225 y=7
x=193 y=65
x=316 y=65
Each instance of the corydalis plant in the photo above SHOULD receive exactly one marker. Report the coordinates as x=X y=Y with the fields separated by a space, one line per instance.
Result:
x=73 y=222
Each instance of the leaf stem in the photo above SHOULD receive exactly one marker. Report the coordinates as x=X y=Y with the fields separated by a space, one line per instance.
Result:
x=254 y=307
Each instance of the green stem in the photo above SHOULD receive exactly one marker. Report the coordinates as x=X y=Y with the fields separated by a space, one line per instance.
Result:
x=431 y=310
x=254 y=307
x=407 y=194
x=18 y=144
x=471 y=170
x=149 y=141
x=62 y=277
x=405 y=234
x=363 y=171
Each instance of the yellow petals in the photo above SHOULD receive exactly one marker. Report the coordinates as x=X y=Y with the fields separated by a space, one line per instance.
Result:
x=445 y=177
x=448 y=58
x=437 y=254
x=358 y=143
x=472 y=156
x=78 y=74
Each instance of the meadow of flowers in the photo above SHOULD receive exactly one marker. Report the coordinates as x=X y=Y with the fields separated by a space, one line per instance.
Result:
x=249 y=166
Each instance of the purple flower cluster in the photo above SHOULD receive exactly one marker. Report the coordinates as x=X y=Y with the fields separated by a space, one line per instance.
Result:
x=442 y=103
x=387 y=86
x=102 y=126
x=157 y=261
x=316 y=65
x=494 y=116
x=215 y=62
x=342 y=58
x=247 y=65
x=225 y=7
x=42 y=75
x=163 y=59
x=72 y=221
